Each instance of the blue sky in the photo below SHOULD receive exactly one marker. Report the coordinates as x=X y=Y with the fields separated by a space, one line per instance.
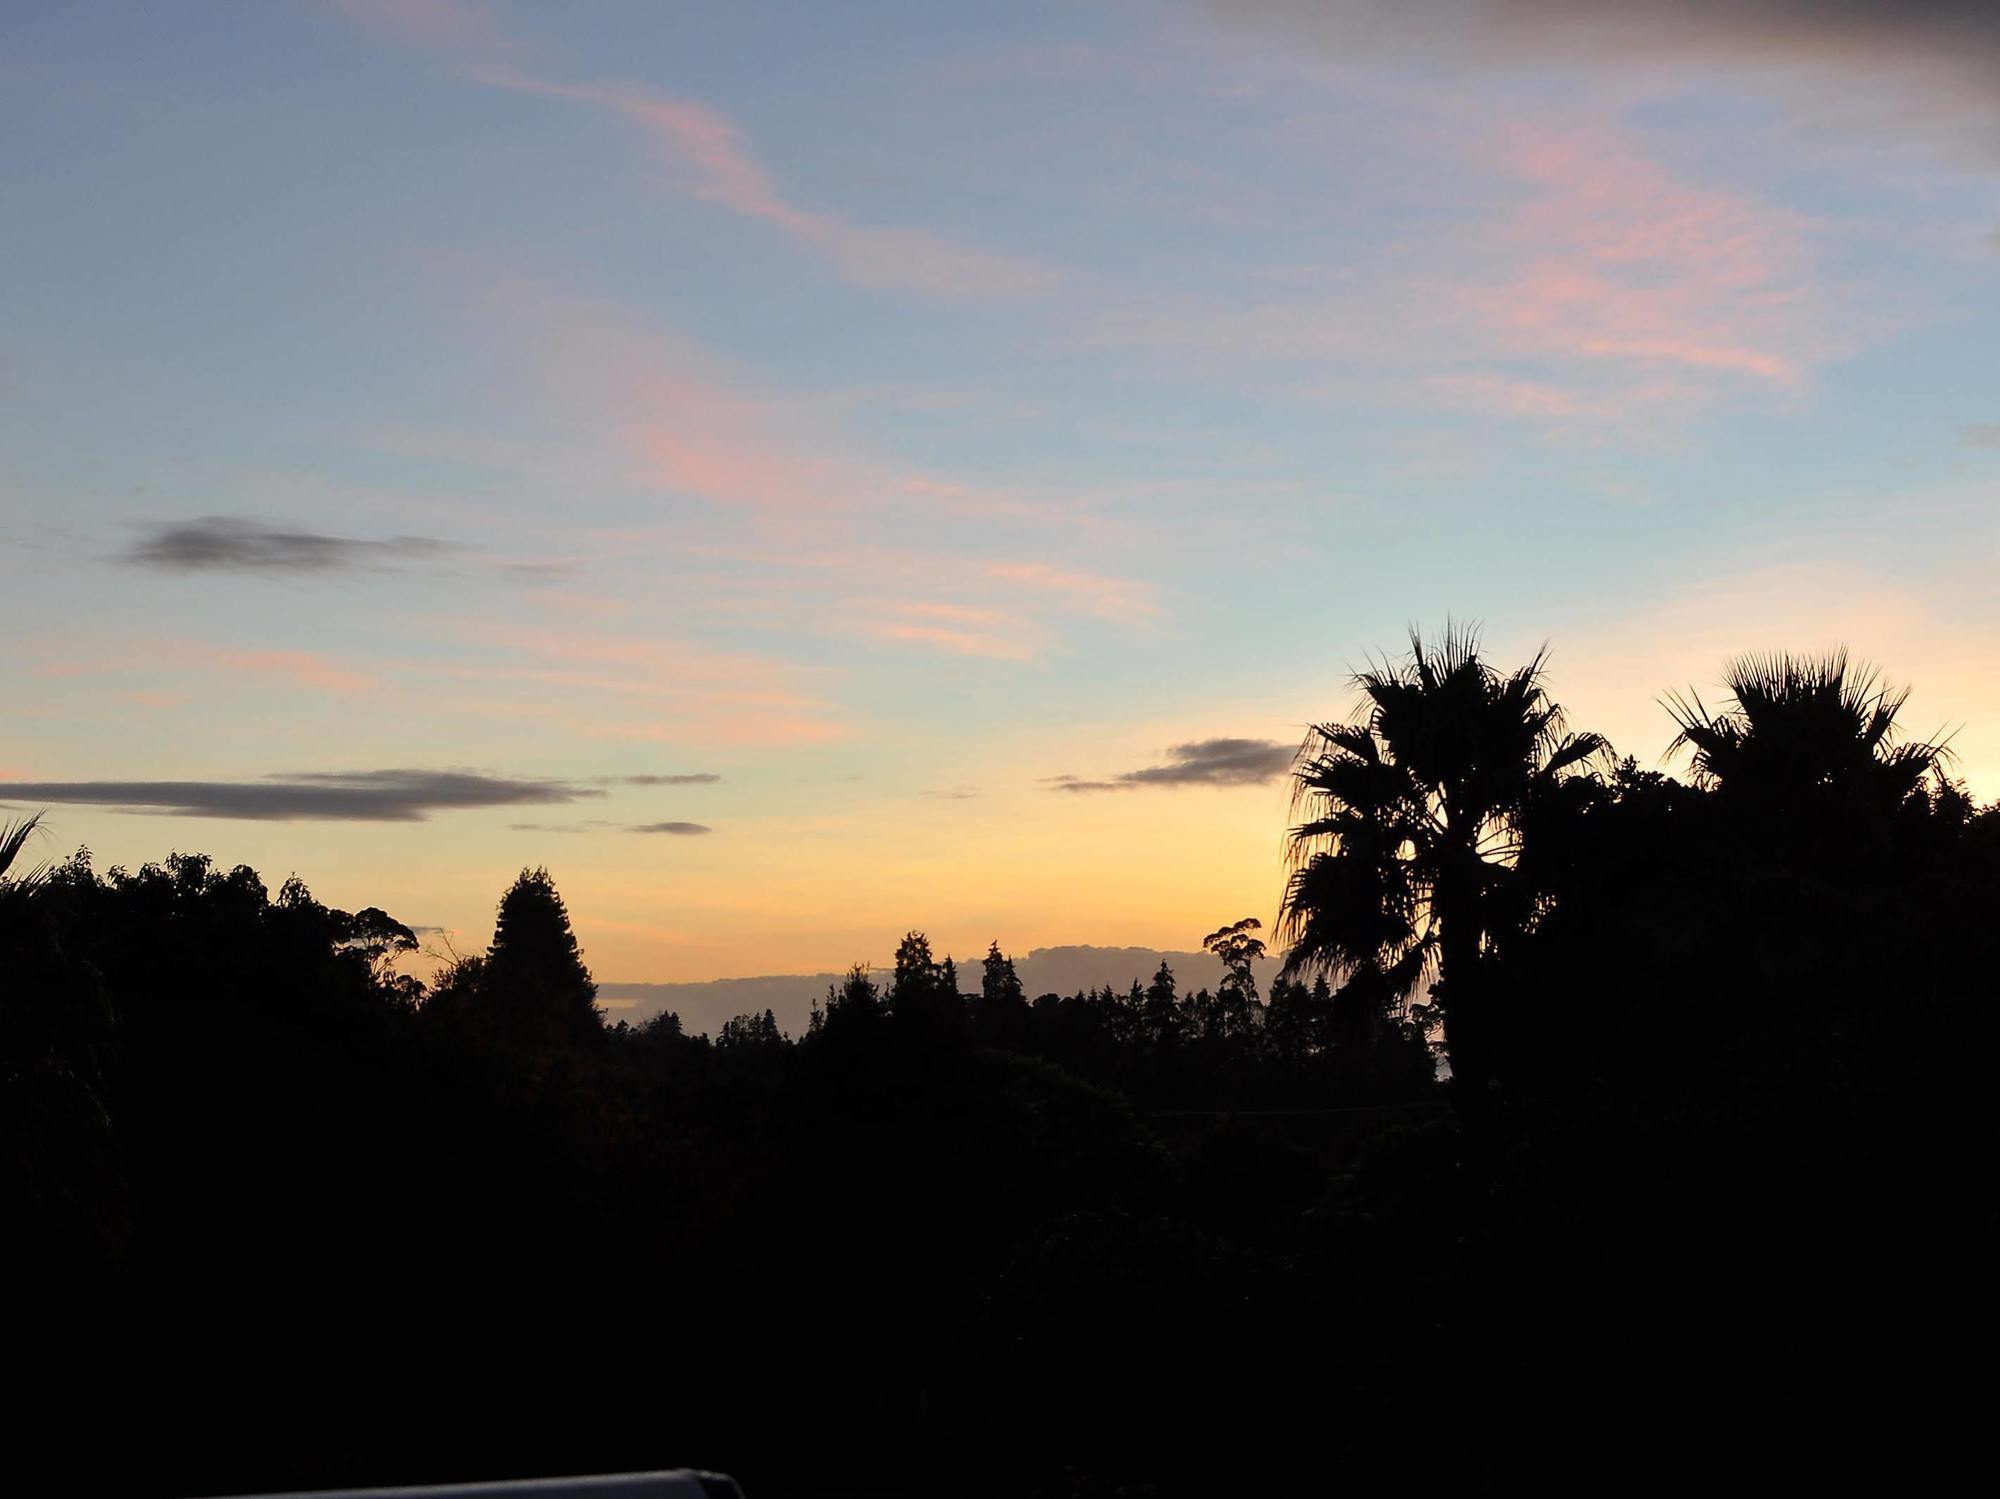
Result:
x=887 y=409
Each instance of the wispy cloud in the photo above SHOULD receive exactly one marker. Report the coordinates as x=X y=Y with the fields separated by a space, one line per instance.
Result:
x=1982 y=435
x=223 y=543
x=691 y=423
x=604 y=824
x=959 y=629
x=1619 y=261
x=698 y=429
x=1089 y=592
x=1587 y=285
x=684 y=778
x=1204 y=762
x=645 y=689
x=709 y=157
x=303 y=668
x=342 y=796
x=456 y=26
x=310 y=669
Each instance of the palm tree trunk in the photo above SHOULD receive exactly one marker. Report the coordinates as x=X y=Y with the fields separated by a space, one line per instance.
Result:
x=1460 y=997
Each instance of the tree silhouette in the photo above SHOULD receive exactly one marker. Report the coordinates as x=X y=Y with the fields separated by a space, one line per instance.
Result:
x=1801 y=728
x=1002 y=1014
x=1417 y=814
x=853 y=1006
x=923 y=994
x=1239 y=950
x=1160 y=1020
x=1748 y=1022
x=534 y=983
x=748 y=1031
x=18 y=888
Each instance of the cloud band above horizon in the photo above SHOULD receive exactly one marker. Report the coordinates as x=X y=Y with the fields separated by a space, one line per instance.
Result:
x=350 y=796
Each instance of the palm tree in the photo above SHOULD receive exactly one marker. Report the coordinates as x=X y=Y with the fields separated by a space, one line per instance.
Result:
x=14 y=838
x=1417 y=813
x=17 y=889
x=1803 y=726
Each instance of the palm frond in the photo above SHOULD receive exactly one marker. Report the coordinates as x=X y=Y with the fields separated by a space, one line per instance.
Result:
x=13 y=840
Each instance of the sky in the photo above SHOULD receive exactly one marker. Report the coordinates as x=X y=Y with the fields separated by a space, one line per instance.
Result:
x=803 y=472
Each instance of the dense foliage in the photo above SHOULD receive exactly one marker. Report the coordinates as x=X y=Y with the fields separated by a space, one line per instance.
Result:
x=1716 y=1157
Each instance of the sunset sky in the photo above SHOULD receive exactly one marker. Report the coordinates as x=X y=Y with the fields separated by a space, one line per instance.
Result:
x=807 y=471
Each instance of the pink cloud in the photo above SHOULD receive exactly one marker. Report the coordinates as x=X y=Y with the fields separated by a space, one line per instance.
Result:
x=648 y=688
x=302 y=668
x=682 y=419
x=1588 y=288
x=1094 y=593
x=454 y=26
x=958 y=629
x=722 y=728
x=956 y=642
x=698 y=439
x=711 y=160
x=298 y=668
x=1511 y=397
x=693 y=428
x=1617 y=259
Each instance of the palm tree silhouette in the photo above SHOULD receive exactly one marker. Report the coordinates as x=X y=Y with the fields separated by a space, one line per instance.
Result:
x=19 y=888
x=1801 y=727
x=1416 y=829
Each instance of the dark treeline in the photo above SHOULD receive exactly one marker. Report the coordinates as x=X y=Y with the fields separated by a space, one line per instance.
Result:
x=1710 y=1179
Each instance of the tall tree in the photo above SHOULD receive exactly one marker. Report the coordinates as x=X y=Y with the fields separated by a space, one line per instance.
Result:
x=1406 y=862
x=1003 y=1005
x=1239 y=947
x=1234 y=1012
x=534 y=983
x=1161 y=1016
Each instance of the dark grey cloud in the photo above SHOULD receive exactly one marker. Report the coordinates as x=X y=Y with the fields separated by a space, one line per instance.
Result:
x=1861 y=31
x=1983 y=435
x=342 y=796
x=1936 y=57
x=599 y=824
x=686 y=778
x=1205 y=762
x=223 y=543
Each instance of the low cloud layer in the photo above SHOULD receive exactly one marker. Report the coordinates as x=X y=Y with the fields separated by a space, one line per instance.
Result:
x=690 y=778
x=677 y=829
x=223 y=543
x=346 y=796
x=1205 y=762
